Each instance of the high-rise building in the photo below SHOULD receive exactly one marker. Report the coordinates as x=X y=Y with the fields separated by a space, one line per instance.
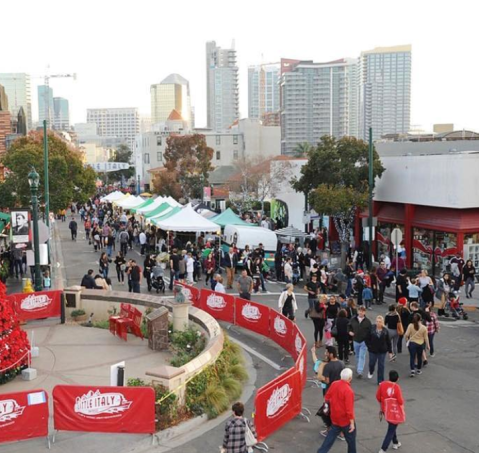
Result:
x=318 y=99
x=17 y=88
x=221 y=87
x=123 y=123
x=172 y=93
x=5 y=124
x=45 y=105
x=263 y=90
x=61 y=114
x=385 y=91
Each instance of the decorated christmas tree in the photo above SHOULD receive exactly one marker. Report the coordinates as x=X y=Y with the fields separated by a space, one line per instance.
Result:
x=14 y=344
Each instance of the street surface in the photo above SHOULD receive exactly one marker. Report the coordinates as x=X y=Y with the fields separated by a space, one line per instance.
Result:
x=441 y=404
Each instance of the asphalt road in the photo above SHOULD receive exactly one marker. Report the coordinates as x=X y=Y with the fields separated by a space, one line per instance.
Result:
x=441 y=404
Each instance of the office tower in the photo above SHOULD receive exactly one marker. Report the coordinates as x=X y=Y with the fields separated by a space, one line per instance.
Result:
x=5 y=124
x=21 y=122
x=45 y=105
x=17 y=89
x=221 y=87
x=263 y=90
x=385 y=91
x=61 y=114
x=123 y=123
x=318 y=99
x=172 y=93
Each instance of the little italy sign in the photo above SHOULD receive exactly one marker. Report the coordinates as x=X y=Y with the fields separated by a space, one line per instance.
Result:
x=34 y=302
x=215 y=302
x=278 y=400
x=10 y=410
x=95 y=404
x=280 y=326
x=251 y=312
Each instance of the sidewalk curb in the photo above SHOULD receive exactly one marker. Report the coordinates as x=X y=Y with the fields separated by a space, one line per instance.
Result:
x=191 y=429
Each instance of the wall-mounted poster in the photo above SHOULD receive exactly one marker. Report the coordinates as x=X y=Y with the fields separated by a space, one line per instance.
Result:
x=21 y=226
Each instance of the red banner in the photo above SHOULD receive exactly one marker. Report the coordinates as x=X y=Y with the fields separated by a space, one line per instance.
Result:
x=191 y=294
x=219 y=305
x=277 y=403
x=23 y=415
x=252 y=316
x=296 y=344
x=104 y=409
x=39 y=305
x=281 y=329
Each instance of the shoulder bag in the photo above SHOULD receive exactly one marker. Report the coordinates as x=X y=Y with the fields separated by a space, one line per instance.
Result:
x=393 y=412
x=249 y=436
x=400 y=327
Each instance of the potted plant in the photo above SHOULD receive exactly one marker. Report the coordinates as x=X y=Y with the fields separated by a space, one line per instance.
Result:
x=78 y=315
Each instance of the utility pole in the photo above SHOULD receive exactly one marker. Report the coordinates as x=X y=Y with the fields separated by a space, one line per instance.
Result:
x=371 y=183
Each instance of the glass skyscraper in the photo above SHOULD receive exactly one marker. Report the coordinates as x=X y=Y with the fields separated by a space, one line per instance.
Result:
x=17 y=88
x=61 y=114
x=45 y=105
x=263 y=90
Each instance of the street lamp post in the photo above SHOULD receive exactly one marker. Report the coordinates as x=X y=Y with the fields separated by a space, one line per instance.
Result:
x=33 y=180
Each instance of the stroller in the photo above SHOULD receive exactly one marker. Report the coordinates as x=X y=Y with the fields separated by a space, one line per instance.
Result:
x=455 y=306
x=157 y=281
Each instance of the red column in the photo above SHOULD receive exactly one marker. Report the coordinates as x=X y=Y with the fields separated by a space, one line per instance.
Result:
x=357 y=229
x=408 y=233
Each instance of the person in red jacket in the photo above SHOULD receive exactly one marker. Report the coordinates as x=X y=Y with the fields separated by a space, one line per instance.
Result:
x=390 y=389
x=340 y=397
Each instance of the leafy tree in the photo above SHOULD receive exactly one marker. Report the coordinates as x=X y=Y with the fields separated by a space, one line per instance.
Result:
x=69 y=180
x=336 y=181
x=187 y=165
x=122 y=154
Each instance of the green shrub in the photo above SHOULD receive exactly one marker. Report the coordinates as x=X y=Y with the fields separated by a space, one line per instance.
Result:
x=77 y=313
x=135 y=382
x=216 y=399
x=101 y=324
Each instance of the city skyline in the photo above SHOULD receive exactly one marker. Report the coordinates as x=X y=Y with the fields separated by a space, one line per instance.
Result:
x=440 y=92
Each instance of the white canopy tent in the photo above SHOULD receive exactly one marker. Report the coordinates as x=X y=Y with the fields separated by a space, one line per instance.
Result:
x=117 y=195
x=130 y=202
x=187 y=220
x=151 y=207
x=172 y=202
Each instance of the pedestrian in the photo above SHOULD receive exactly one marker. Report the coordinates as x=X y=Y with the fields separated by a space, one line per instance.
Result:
x=124 y=237
x=413 y=290
x=330 y=370
x=288 y=271
x=190 y=268
x=432 y=330
x=142 y=240
x=245 y=285
x=120 y=264
x=342 y=335
x=389 y=391
x=374 y=284
x=469 y=275
x=234 y=440
x=317 y=314
x=381 y=274
x=73 y=228
x=47 y=281
x=135 y=275
x=340 y=399
x=444 y=287
x=378 y=344
x=402 y=284
x=287 y=302
x=359 y=330
x=311 y=288
x=87 y=226
x=182 y=266
x=210 y=266
x=88 y=281
x=230 y=261
x=395 y=328
x=368 y=297
x=404 y=314
x=427 y=287
x=417 y=338
x=104 y=264
x=174 y=267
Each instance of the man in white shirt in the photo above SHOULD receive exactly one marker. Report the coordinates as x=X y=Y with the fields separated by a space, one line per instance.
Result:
x=190 y=267
x=142 y=238
x=264 y=223
x=387 y=261
x=288 y=271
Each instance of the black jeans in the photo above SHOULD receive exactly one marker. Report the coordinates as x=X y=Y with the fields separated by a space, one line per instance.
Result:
x=390 y=436
x=343 y=348
x=246 y=296
x=124 y=248
x=318 y=328
x=74 y=234
x=120 y=274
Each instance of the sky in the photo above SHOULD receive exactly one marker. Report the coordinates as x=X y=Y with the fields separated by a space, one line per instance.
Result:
x=119 y=48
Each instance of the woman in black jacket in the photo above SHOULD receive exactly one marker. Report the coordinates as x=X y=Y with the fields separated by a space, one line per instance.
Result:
x=468 y=275
x=404 y=314
x=342 y=335
x=378 y=345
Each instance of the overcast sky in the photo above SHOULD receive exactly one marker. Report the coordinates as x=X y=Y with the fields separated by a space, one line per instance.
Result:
x=119 y=48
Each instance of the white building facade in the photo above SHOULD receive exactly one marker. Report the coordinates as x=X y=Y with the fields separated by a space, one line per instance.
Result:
x=263 y=90
x=123 y=123
x=222 y=87
x=385 y=91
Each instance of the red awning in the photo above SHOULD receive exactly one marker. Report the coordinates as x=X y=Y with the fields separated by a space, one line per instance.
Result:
x=388 y=213
x=446 y=219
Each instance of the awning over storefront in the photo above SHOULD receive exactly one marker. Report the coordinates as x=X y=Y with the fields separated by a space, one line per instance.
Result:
x=444 y=219
x=389 y=213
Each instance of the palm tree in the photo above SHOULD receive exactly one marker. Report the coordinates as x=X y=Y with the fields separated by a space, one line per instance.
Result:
x=302 y=149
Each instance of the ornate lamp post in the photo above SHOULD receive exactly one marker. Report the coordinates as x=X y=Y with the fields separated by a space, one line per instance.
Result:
x=33 y=181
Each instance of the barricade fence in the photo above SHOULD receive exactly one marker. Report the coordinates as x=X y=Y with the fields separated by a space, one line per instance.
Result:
x=37 y=305
x=280 y=400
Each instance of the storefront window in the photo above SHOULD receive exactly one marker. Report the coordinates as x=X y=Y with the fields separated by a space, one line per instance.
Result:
x=445 y=247
x=422 y=246
x=384 y=239
x=471 y=248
